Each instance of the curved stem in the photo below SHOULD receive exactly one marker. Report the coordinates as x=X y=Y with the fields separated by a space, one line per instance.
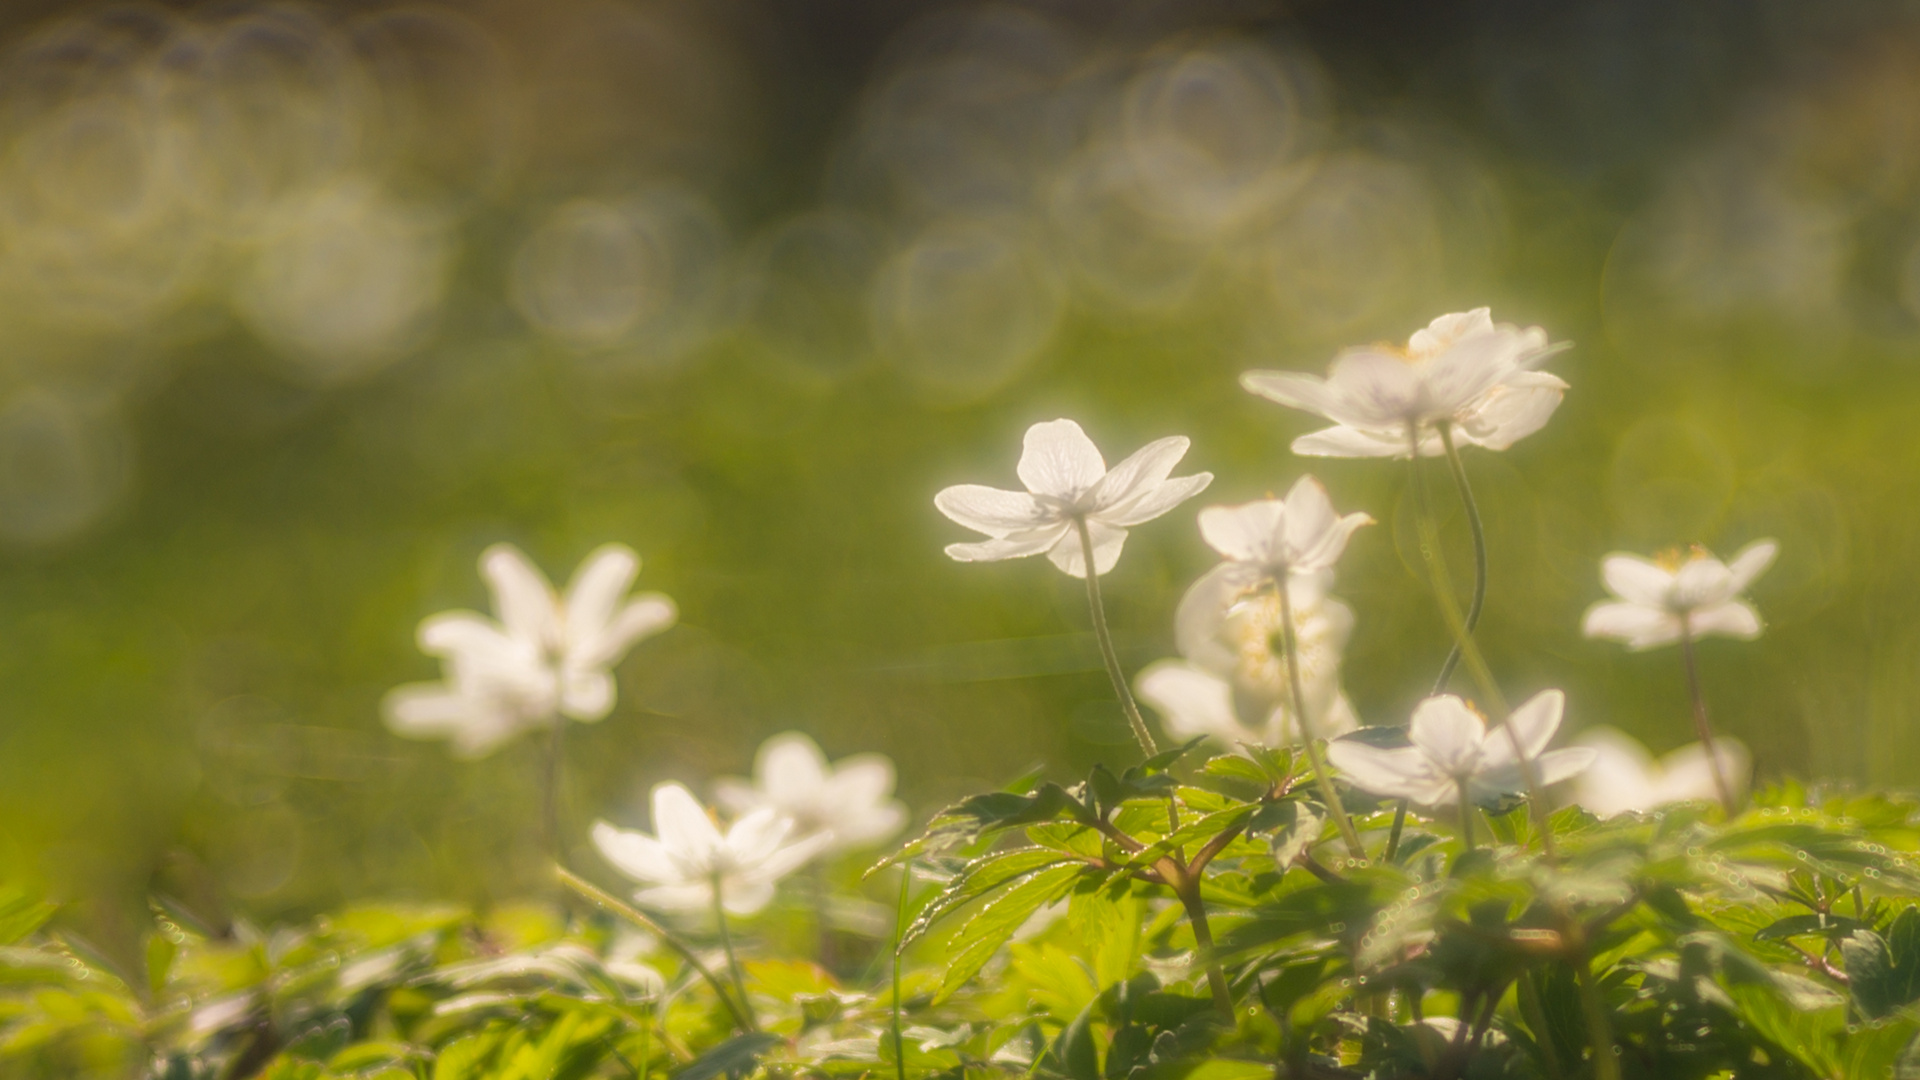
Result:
x=597 y=895
x=1479 y=600
x=1700 y=724
x=1491 y=697
x=1189 y=893
x=899 y=926
x=1107 y=653
x=1328 y=793
x=733 y=962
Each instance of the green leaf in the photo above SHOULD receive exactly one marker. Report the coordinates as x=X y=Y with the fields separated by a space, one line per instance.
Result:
x=1884 y=972
x=1241 y=769
x=994 y=924
x=735 y=1057
x=1828 y=926
x=981 y=876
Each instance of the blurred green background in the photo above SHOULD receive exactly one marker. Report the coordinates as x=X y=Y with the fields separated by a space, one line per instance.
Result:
x=303 y=306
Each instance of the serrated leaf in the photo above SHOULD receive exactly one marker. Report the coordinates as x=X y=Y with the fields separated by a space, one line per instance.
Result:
x=1829 y=926
x=994 y=924
x=980 y=877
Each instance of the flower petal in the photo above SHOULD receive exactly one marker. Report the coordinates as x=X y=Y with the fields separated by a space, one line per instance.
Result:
x=1155 y=501
x=463 y=633
x=690 y=897
x=683 y=826
x=1445 y=330
x=587 y=696
x=1456 y=376
x=737 y=795
x=754 y=837
x=1621 y=777
x=1139 y=473
x=1448 y=733
x=1639 y=580
x=1191 y=702
x=991 y=510
x=596 y=590
x=1512 y=411
x=1734 y=619
x=1557 y=766
x=637 y=855
x=1374 y=389
x=644 y=616
x=1751 y=562
x=745 y=896
x=1351 y=442
x=1059 y=460
x=1397 y=772
x=522 y=598
x=1639 y=626
x=1685 y=775
x=862 y=780
x=1016 y=546
x=1107 y=542
x=475 y=726
x=1250 y=533
x=1294 y=389
x=792 y=856
x=791 y=769
x=1202 y=615
x=1534 y=722
x=1702 y=581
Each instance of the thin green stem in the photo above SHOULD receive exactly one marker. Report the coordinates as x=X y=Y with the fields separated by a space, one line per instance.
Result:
x=597 y=895
x=1491 y=697
x=1107 y=653
x=1536 y=1016
x=1479 y=600
x=899 y=927
x=1606 y=1065
x=1393 y=835
x=1700 y=724
x=1466 y=819
x=1189 y=893
x=550 y=795
x=733 y=962
x=1328 y=793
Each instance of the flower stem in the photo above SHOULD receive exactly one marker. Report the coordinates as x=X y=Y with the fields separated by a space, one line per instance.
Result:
x=1606 y=1066
x=1107 y=653
x=1700 y=724
x=1466 y=819
x=550 y=796
x=1328 y=793
x=592 y=892
x=733 y=962
x=1536 y=1016
x=1189 y=893
x=1479 y=600
x=1476 y=663
x=899 y=927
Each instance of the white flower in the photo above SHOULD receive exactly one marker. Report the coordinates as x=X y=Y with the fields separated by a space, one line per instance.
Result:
x=1294 y=540
x=1624 y=776
x=1656 y=595
x=546 y=657
x=1453 y=753
x=1232 y=684
x=688 y=857
x=1462 y=370
x=849 y=799
x=1068 y=481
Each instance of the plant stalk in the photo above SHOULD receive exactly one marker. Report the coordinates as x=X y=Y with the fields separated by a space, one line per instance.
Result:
x=1479 y=600
x=899 y=927
x=1328 y=793
x=1107 y=653
x=1476 y=663
x=1189 y=892
x=1700 y=724
x=550 y=796
x=1536 y=1016
x=1606 y=1066
x=1466 y=819
x=741 y=1018
x=733 y=962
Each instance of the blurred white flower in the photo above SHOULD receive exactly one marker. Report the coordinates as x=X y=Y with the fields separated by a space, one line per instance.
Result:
x=688 y=857
x=1296 y=540
x=1454 y=756
x=1624 y=776
x=546 y=657
x=1655 y=595
x=1463 y=370
x=1067 y=482
x=849 y=799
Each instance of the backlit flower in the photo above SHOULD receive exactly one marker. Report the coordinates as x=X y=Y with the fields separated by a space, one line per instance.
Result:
x=1463 y=370
x=1068 y=482
x=1454 y=756
x=1656 y=595
x=849 y=799
x=547 y=655
x=1624 y=776
x=1296 y=540
x=687 y=857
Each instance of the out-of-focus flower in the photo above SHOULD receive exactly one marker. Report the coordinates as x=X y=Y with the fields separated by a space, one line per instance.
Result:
x=1656 y=595
x=687 y=857
x=849 y=799
x=547 y=656
x=1624 y=776
x=1463 y=370
x=1068 y=482
x=1455 y=757
x=1296 y=540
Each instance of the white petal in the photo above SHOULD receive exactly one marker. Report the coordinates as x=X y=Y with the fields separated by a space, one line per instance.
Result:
x=1373 y=389
x=871 y=825
x=1444 y=330
x=1686 y=776
x=1349 y=442
x=1512 y=411
x=1059 y=460
x=753 y=838
x=596 y=590
x=692 y=896
x=1621 y=776
x=1556 y=766
x=682 y=825
x=991 y=510
x=1154 y=501
x=1462 y=372
x=1702 y=581
x=587 y=695
x=456 y=632
x=644 y=616
x=792 y=856
x=745 y=896
x=1107 y=542
x=1399 y=772
x=637 y=855
x=1294 y=389
x=1249 y=533
x=1201 y=614
x=1534 y=722
x=1734 y=619
x=1639 y=580
x=1448 y=732
x=521 y=596
x=432 y=711
x=1639 y=626
x=790 y=769
x=1751 y=562
x=1139 y=473
x=1016 y=546
x=862 y=779
x=738 y=796
x=1190 y=701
